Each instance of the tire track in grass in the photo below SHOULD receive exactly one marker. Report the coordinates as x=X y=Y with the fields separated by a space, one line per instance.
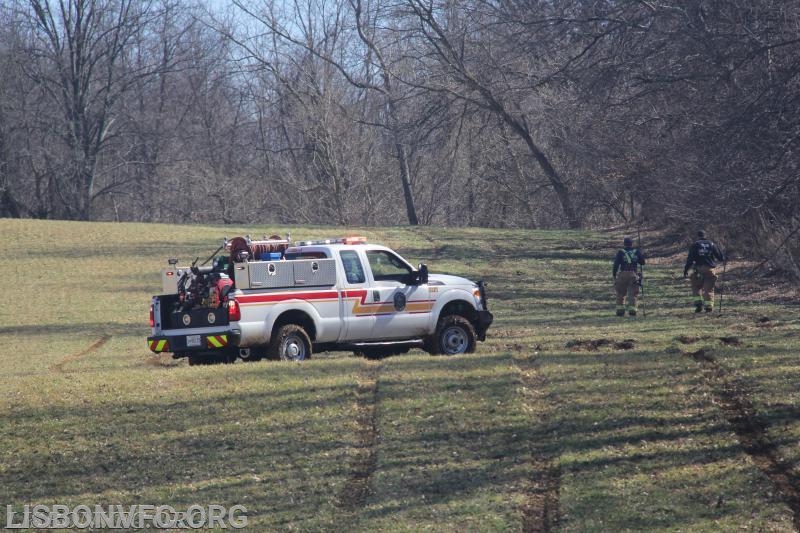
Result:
x=59 y=366
x=364 y=462
x=751 y=430
x=540 y=511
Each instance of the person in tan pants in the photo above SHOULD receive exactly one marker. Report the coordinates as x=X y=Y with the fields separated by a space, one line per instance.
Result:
x=626 y=278
x=703 y=256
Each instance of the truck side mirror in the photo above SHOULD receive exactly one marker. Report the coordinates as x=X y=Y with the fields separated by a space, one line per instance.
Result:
x=423 y=273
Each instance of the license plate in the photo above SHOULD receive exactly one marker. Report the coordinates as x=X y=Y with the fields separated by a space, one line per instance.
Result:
x=192 y=340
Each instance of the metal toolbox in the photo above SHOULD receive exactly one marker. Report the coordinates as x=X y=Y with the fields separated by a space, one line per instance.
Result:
x=314 y=272
x=264 y=274
x=281 y=274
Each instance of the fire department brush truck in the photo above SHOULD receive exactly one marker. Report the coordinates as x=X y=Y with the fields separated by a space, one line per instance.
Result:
x=280 y=300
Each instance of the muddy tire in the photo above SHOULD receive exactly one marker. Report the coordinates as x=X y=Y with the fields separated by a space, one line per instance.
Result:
x=290 y=343
x=454 y=335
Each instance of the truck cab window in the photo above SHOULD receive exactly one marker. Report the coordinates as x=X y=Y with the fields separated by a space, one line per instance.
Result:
x=353 y=269
x=386 y=266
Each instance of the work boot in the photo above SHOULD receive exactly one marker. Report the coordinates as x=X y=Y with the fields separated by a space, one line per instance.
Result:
x=698 y=308
x=709 y=309
x=620 y=312
x=632 y=312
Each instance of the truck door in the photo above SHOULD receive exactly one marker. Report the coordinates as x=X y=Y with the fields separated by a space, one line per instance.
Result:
x=357 y=318
x=402 y=308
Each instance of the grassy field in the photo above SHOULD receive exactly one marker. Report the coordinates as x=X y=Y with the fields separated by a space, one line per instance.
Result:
x=567 y=419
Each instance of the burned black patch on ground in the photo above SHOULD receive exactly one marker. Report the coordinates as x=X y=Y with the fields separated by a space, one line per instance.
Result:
x=701 y=356
x=519 y=348
x=730 y=341
x=577 y=345
x=626 y=344
x=589 y=345
x=768 y=323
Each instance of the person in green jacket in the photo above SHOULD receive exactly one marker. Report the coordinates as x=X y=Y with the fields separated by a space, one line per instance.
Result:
x=626 y=277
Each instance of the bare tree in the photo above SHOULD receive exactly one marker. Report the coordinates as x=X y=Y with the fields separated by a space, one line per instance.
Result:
x=79 y=52
x=157 y=107
x=479 y=67
x=544 y=113
x=325 y=35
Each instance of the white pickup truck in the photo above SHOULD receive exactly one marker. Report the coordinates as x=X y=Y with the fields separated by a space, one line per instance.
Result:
x=278 y=300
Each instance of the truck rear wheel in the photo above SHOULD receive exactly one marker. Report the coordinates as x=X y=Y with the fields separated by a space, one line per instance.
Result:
x=290 y=343
x=454 y=335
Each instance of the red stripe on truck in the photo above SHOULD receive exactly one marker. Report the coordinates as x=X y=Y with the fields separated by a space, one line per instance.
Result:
x=284 y=296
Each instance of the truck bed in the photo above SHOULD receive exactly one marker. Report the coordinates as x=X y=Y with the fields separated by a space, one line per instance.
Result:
x=197 y=317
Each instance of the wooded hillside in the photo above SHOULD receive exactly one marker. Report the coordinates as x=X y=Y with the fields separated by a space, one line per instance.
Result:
x=535 y=114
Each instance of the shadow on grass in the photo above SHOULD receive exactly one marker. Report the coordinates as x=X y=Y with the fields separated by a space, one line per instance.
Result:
x=627 y=425
x=128 y=446
x=280 y=451
x=284 y=451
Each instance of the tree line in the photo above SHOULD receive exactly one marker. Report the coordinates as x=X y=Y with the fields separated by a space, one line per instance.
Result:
x=493 y=113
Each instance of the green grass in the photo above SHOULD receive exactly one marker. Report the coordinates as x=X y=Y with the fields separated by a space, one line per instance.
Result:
x=533 y=432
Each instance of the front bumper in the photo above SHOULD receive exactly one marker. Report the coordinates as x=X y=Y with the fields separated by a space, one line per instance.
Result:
x=197 y=342
x=482 y=323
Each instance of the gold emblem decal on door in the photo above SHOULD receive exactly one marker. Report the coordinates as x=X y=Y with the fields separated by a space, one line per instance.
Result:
x=399 y=301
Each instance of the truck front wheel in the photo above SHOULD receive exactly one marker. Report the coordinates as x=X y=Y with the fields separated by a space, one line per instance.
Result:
x=454 y=335
x=290 y=343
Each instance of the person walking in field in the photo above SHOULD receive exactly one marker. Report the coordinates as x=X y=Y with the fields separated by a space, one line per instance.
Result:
x=703 y=256
x=626 y=277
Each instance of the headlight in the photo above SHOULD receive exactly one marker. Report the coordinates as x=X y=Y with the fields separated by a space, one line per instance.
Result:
x=476 y=293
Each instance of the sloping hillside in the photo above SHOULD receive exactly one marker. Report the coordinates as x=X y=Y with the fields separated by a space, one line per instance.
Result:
x=567 y=418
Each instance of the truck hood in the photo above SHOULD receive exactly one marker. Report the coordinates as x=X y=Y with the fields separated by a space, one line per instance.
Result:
x=446 y=279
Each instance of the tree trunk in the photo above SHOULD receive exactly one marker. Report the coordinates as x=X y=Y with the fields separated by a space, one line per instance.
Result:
x=405 y=179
